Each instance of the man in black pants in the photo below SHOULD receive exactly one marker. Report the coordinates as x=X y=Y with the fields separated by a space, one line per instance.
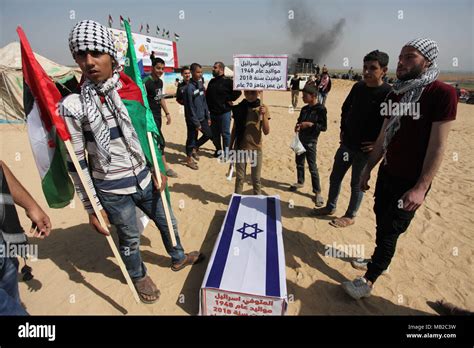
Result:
x=413 y=144
x=196 y=114
x=220 y=96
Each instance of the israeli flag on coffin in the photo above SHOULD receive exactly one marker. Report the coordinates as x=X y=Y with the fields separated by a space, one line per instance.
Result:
x=248 y=259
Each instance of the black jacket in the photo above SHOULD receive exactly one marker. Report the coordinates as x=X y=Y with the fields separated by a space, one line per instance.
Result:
x=220 y=91
x=317 y=114
x=360 y=118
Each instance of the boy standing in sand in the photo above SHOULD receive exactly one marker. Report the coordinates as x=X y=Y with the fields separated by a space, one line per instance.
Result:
x=250 y=120
x=115 y=167
x=360 y=125
x=197 y=115
x=155 y=95
x=311 y=122
x=412 y=144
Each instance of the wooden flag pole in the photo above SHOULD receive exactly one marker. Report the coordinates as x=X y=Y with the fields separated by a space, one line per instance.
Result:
x=112 y=245
x=163 y=194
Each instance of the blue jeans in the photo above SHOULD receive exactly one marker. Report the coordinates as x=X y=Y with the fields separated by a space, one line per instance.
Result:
x=343 y=160
x=121 y=212
x=192 y=142
x=322 y=97
x=220 y=125
x=9 y=295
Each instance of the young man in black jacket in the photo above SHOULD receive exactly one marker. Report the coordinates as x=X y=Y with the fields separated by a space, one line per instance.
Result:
x=220 y=96
x=312 y=121
x=196 y=114
x=360 y=125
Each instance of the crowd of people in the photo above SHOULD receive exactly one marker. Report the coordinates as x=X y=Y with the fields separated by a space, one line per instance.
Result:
x=122 y=180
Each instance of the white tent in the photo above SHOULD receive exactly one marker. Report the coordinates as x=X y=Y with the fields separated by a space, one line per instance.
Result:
x=228 y=72
x=11 y=80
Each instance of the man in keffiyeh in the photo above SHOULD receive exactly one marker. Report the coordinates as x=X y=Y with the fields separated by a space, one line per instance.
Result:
x=412 y=143
x=116 y=168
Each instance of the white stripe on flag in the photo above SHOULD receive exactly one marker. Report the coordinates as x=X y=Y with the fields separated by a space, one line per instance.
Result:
x=245 y=267
x=42 y=152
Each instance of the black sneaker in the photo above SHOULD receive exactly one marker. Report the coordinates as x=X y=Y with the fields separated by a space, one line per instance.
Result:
x=295 y=187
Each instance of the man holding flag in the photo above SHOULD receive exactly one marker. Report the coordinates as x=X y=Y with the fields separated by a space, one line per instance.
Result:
x=103 y=120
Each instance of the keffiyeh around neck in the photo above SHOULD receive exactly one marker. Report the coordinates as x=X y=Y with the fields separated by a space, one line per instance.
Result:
x=90 y=93
x=412 y=89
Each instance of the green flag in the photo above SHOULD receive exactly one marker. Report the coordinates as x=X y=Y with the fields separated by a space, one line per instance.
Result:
x=131 y=69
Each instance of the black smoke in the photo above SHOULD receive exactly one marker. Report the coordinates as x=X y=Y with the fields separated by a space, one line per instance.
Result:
x=317 y=39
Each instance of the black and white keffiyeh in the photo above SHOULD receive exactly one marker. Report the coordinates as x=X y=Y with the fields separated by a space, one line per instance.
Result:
x=412 y=89
x=90 y=35
x=90 y=94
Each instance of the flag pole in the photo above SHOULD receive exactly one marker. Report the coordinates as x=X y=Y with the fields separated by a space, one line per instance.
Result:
x=151 y=142
x=163 y=194
x=112 y=245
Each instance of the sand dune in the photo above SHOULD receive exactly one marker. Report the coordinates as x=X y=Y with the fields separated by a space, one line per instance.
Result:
x=77 y=274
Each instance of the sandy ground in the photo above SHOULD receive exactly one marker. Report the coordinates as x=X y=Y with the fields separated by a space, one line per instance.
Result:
x=77 y=274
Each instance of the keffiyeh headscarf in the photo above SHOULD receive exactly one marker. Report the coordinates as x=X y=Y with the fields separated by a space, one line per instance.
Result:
x=92 y=36
x=412 y=89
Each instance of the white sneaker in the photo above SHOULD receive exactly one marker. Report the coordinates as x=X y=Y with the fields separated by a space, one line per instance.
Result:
x=361 y=264
x=358 y=288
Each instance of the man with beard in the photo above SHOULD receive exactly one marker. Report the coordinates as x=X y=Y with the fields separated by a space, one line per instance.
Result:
x=412 y=146
x=220 y=96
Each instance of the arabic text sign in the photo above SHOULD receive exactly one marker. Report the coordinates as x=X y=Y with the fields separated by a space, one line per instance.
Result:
x=218 y=302
x=266 y=72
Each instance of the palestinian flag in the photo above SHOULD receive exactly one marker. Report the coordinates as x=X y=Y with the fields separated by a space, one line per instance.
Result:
x=46 y=129
x=176 y=37
x=141 y=115
x=110 y=21
x=121 y=21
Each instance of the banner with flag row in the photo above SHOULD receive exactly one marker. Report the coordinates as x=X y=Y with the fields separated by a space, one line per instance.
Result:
x=164 y=33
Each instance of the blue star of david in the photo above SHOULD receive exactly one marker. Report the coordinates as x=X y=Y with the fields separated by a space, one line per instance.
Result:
x=252 y=234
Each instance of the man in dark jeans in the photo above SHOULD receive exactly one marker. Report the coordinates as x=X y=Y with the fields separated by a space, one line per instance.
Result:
x=360 y=125
x=413 y=144
x=312 y=121
x=12 y=234
x=196 y=114
x=295 y=90
x=220 y=96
